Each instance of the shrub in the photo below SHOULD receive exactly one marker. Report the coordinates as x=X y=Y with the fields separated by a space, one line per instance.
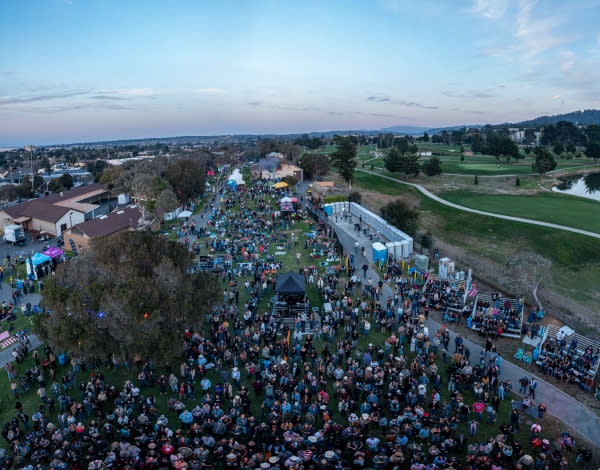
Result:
x=517 y=182
x=355 y=196
x=335 y=198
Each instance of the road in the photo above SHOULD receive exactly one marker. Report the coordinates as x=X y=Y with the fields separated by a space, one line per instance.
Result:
x=430 y=195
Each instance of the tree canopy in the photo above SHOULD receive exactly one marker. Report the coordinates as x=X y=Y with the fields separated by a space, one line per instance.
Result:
x=544 y=160
x=344 y=158
x=432 y=167
x=314 y=164
x=502 y=146
x=187 y=178
x=61 y=184
x=401 y=215
x=526 y=273
x=128 y=294
x=592 y=150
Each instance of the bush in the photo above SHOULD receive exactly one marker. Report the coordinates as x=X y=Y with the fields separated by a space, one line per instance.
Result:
x=426 y=241
x=291 y=180
x=355 y=196
x=475 y=181
x=401 y=215
x=517 y=182
x=462 y=158
x=335 y=198
x=432 y=167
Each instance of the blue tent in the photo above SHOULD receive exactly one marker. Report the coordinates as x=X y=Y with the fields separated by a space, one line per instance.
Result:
x=39 y=258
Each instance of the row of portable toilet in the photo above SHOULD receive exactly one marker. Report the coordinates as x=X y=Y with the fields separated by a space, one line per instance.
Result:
x=400 y=250
x=395 y=250
x=386 y=230
x=334 y=208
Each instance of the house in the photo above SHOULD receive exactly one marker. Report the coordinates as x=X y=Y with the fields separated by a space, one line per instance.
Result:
x=321 y=189
x=273 y=166
x=82 y=234
x=58 y=212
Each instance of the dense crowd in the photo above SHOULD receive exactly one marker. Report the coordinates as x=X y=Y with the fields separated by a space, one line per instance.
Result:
x=244 y=396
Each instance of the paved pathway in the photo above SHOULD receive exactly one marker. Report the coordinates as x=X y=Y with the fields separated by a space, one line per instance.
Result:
x=5 y=294
x=429 y=194
x=559 y=403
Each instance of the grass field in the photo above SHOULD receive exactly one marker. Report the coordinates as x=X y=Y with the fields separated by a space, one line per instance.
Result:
x=574 y=256
x=545 y=206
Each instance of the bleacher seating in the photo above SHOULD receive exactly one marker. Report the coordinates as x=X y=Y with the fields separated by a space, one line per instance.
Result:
x=492 y=317
x=558 y=356
x=450 y=294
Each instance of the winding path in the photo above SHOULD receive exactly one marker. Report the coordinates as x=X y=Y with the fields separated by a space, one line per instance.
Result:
x=430 y=195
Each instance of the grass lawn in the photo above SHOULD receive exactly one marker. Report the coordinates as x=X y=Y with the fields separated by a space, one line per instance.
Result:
x=574 y=256
x=545 y=206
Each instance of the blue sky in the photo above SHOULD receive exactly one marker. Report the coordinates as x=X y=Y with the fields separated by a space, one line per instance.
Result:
x=81 y=70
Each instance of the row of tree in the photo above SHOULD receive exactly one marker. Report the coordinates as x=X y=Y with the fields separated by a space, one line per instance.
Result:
x=160 y=184
x=397 y=162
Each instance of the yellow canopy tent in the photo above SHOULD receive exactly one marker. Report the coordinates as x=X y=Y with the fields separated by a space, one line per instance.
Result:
x=281 y=184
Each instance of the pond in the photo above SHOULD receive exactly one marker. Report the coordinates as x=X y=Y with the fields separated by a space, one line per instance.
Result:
x=580 y=185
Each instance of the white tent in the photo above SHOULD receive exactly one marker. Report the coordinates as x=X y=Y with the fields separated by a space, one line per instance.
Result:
x=184 y=215
x=236 y=177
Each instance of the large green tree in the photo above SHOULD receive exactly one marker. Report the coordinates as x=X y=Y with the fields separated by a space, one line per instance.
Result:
x=502 y=146
x=314 y=164
x=592 y=150
x=544 y=160
x=344 y=159
x=409 y=165
x=401 y=215
x=392 y=160
x=129 y=294
x=187 y=178
x=432 y=166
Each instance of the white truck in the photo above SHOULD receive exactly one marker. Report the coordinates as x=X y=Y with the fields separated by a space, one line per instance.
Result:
x=14 y=234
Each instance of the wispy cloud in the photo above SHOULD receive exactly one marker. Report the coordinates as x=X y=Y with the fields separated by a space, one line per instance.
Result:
x=379 y=99
x=567 y=60
x=470 y=94
x=211 y=91
x=7 y=73
x=490 y=9
x=11 y=100
x=535 y=33
x=408 y=104
x=255 y=103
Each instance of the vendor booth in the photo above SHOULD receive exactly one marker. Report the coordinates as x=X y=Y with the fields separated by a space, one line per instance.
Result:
x=39 y=265
x=290 y=290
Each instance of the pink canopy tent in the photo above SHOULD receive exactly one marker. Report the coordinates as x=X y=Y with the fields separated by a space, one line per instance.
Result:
x=53 y=252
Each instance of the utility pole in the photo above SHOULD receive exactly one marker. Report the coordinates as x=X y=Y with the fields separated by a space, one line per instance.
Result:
x=30 y=148
x=32 y=175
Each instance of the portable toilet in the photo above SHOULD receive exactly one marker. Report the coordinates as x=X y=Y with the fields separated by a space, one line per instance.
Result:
x=446 y=268
x=404 y=248
x=422 y=263
x=397 y=250
x=379 y=252
x=328 y=210
x=390 y=246
x=409 y=246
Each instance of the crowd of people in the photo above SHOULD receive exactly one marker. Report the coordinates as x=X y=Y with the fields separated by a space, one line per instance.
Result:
x=494 y=316
x=374 y=389
x=563 y=360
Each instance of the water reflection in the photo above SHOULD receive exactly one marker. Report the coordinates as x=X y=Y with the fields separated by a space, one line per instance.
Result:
x=580 y=185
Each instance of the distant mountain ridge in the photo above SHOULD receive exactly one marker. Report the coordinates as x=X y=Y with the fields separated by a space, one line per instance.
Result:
x=581 y=118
